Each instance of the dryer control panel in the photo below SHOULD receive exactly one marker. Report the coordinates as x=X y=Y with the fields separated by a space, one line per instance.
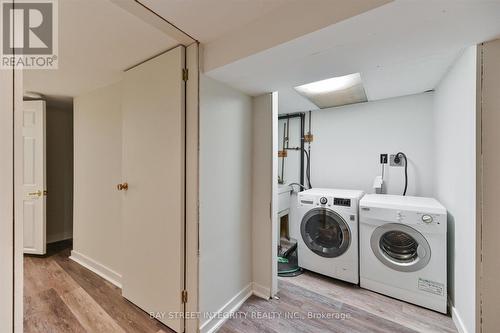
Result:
x=429 y=222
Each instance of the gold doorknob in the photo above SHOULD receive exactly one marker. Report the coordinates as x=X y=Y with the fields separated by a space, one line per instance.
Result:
x=122 y=187
x=37 y=193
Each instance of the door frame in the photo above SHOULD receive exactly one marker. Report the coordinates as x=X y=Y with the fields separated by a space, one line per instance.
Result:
x=12 y=248
x=479 y=187
x=7 y=233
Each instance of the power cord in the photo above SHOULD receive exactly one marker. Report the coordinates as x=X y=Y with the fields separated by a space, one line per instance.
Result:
x=397 y=160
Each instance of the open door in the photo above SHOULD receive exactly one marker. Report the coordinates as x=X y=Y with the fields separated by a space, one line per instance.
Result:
x=31 y=190
x=154 y=186
x=488 y=183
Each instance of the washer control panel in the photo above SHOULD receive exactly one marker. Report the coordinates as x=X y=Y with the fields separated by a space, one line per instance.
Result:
x=342 y=202
x=323 y=200
x=426 y=218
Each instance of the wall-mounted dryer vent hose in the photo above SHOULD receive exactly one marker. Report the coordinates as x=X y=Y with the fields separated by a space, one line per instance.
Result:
x=397 y=160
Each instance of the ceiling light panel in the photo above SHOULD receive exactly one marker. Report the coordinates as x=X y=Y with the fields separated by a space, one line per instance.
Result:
x=337 y=91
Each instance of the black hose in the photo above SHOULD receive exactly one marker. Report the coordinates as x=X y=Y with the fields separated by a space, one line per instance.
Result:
x=406 y=170
x=308 y=169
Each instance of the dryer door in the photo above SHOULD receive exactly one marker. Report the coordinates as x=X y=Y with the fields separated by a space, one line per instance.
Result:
x=325 y=232
x=400 y=247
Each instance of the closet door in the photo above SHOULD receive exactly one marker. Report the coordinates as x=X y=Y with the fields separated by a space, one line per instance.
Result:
x=153 y=169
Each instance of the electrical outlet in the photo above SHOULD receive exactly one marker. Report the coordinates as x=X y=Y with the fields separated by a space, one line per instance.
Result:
x=383 y=158
x=394 y=164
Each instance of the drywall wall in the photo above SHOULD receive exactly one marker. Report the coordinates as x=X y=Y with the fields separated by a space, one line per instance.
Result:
x=225 y=197
x=348 y=142
x=59 y=142
x=97 y=170
x=455 y=176
x=6 y=201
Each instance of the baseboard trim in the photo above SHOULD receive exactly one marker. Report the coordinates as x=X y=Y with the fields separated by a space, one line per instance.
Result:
x=261 y=291
x=59 y=237
x=457 y=320
x=99 y=269
x=220 y=317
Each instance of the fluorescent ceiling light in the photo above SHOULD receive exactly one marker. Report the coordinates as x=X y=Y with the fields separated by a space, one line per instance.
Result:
x=336 y=91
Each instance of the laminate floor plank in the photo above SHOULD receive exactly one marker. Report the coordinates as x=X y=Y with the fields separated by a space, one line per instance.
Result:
x=409 y=315
x=128 y=316
x=90 y=314
x=47 y=312
x=62 y=296
x=41 y=274
x=312 y=303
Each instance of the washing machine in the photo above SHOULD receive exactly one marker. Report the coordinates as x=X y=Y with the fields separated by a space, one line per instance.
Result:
x=327 y=232
x=403 y=249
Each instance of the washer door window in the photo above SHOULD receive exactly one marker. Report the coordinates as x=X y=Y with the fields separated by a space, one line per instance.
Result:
x=400 y=247
x=325 y=232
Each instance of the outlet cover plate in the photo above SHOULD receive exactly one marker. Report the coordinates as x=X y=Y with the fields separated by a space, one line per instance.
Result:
x=394 y=164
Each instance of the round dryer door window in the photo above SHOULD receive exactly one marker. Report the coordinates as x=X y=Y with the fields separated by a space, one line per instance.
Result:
x=400 y=247
x=325 y=232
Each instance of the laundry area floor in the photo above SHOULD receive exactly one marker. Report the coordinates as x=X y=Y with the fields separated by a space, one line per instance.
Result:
x=329 y=305
x=62 y=296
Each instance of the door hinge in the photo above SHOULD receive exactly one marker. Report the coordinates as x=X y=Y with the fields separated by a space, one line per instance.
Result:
x=185 y=74
x=184 y=296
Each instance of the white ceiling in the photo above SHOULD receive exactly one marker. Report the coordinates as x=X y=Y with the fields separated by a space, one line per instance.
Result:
x=233 y=29
x=404 y=47
x=207 y=20
x=97 y=42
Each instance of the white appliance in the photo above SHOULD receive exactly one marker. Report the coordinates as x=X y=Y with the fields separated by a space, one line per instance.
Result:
x=327 y=232
x=403 y=248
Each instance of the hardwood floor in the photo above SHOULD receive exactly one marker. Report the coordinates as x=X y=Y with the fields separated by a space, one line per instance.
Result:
x=62 y=296
x=345 y=308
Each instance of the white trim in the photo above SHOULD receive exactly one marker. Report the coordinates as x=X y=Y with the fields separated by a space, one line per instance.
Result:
x=220 y=317
x=101 y=270
x=261 y=291
x=457 y=320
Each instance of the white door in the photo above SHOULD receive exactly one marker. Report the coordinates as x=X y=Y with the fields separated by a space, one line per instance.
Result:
x=30 y=170
x=153 y=168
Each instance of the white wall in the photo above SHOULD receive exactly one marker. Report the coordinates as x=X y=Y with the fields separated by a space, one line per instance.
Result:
x=97 y=171
x=59 y=139
x=455 y=160
x=225 y=195
x=6 y=201
x=348 y=142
